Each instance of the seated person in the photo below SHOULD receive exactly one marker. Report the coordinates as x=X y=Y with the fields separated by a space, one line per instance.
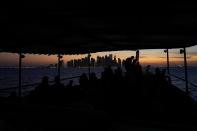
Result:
x=43 y=86
x=58 y=85
x=83 y=80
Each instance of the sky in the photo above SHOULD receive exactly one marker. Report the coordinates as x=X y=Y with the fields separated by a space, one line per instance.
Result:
x=155 y=57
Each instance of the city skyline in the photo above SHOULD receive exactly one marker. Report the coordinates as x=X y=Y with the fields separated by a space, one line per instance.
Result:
x=99 y=61
x=147 y=57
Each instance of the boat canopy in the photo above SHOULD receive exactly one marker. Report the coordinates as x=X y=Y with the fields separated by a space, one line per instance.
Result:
x=85 y=27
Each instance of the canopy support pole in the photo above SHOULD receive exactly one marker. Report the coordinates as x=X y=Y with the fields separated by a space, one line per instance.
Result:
x=186 y=74
x=89 y=56
x=19 y=77
x=58 y=65
x=168 y=65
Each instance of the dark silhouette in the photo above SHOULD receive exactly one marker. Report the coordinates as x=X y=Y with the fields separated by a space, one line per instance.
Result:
x=118 y=73
x=44 y=85
x=128 y=64
x=99 y=62
x=57 y=91
x=83 y=81
x=93 y=79
x=132 y=100
x=108 y=73
x=130 y=94
x=58 y=85
x=147 y=70
x=116 y=90
x=70 y=84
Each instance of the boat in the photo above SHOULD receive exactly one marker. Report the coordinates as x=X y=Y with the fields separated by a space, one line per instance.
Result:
x=85 y=28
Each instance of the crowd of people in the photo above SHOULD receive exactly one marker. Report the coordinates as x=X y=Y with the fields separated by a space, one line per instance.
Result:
x=114 y=90
x=118 y=91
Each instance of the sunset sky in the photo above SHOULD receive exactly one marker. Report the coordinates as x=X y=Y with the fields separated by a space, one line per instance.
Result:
x=155 y=57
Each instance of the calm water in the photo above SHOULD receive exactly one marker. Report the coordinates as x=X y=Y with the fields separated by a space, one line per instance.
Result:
x=9 y=76
x=192 y=77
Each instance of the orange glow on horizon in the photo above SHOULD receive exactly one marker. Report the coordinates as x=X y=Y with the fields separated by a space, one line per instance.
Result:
x=147 y=57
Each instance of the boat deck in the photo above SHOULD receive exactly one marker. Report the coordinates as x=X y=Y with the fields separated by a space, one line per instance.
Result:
x=180 y=112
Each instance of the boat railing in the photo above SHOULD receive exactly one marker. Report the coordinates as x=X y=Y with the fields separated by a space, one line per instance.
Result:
x=192 y=86
x=7 y=90
x=26 y=90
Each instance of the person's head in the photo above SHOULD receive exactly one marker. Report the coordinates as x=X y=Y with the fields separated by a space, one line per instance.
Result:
x=45 y=80
x=57 y=79
x=148 y=68
x=132 y=57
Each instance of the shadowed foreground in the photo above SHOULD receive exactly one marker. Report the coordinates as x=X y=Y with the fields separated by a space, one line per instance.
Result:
x=134 y=101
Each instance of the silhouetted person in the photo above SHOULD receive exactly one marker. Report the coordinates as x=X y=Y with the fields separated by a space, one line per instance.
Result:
x=160 y=75
x=83 y=80
x=131 y=71
x=128 y=63
x=93 y=80
x=41 y=92
x=134 y=61
x=70 y=84
x=118 y=77
x=43 y=86
x=58 y=85
x=93 y=77
x=108 y=73
x=118 y=72
x=118 y=82
x=57 y=91
x=147 y=70
x=157 y=71
x=159 y=83
x=168 y=79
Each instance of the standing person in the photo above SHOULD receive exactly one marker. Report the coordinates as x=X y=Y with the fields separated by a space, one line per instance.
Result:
x=57 y=90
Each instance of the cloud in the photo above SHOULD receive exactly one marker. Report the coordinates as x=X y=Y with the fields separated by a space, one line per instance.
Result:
x=142 y=56
x=164 y=57
x=177 y=57
x=188 y=52
x=192 y=53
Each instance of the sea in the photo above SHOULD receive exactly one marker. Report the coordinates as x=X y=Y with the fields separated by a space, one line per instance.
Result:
x=9 y=77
